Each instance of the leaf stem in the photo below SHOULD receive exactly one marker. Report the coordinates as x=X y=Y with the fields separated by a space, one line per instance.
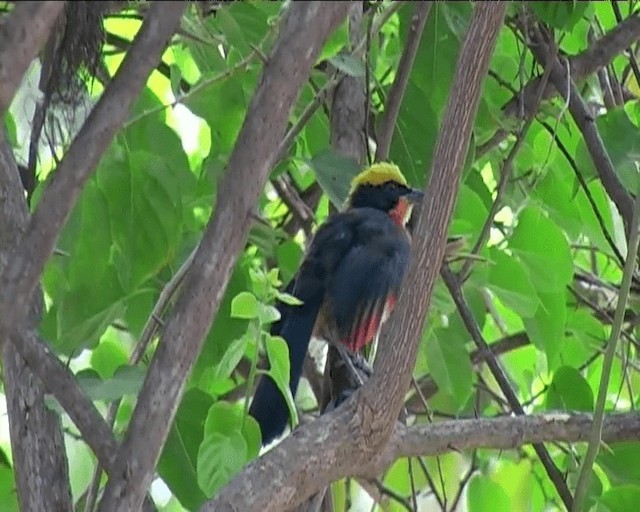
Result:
x=598 y=414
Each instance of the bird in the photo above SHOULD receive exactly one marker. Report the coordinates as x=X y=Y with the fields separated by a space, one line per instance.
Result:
x=347 y=283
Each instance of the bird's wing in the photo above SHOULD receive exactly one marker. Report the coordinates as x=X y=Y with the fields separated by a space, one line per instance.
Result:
x=364 y=284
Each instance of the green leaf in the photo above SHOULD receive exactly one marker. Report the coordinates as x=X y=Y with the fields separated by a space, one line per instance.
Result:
x=268 y=314
x=561 y=15
x=543 y=248
x=107 y=357
x=177 y=465
x=624 y=498
x=449 y=365
x=230 y=440
x=569 y=391
x=244 y=305
x=334 y=174
x=546 y=327
x=620 y=463
x=288 y=299
x=511 y=283
x=127 y=380
x=279 y=369
x=348 y=64
x=8 y=494
x=484 y=494
x=232 y=357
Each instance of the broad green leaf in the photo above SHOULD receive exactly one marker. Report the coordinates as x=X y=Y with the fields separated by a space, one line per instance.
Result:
x=620 y=463
x=244 y=305
x=230 y=440
x=560 y=15
x=177 y=465
x=334 y=174
x=127 y=380
x=279 y=369
x=268 y=314
x=288 y=299
x=348 y=64
x=225 y=329
x=83 y=314
x=289 y=255
x=470 y=213
x=449 y=365
x=546 y=327
x=509 y=281
x=569 y=391
x=8 y=494
x=107 y=357
x=624 y=498
x=232 y=357
x=143 y=194
x=543 y=248
x=484 y=494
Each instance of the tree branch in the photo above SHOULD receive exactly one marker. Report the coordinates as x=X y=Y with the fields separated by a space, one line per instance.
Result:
x=565 y=83
x=22 y=34
x=23 y=271
x=501 y=378
x=505 y=433
x=581 y=66
x=345 y=441
x=399 y=86
x=306 y=27
x=39 y=458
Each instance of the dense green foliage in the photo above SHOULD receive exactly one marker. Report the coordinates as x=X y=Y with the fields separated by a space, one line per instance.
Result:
x=545 y=271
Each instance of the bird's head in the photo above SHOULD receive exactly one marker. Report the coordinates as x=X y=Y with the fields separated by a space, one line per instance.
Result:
x=383 y=187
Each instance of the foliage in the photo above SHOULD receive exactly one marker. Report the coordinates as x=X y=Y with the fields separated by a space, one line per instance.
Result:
x=548 y=268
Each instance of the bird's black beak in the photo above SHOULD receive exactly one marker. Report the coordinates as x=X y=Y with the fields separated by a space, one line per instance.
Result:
x=414 y=196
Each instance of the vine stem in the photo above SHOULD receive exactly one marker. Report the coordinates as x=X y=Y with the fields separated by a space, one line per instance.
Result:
x=598 y=415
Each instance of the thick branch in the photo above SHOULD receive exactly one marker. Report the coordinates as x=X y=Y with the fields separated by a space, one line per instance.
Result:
x=506 y=433
x=39 y=458
x=23 y=271
x=22 y=34
x=306 y=27
x=396 y=93
x=392 y=376
x=345 y=441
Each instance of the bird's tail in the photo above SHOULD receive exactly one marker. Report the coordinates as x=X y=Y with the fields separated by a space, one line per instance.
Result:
x=269 y=407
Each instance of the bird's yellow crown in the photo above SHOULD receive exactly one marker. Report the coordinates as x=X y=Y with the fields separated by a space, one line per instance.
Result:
x=378 y=174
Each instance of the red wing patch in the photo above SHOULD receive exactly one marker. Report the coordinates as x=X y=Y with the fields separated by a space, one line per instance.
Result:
x=368 y=323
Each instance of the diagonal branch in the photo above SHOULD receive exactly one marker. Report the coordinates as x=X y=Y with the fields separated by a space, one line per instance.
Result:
x=305 y=28
x=40 y=464
x=581 y=66
x=399 y=86
x=453 y=285
x=22 y=34
x=565 y=83
x=22 y=274
x=345 y=441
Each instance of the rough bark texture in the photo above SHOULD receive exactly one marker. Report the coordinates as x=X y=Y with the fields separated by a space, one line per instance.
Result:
x=304 y=31
x=347 y=440
x=22 y=35
x=39 y=457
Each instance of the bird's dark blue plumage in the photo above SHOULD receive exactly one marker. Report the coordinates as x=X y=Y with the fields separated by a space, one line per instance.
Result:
x=348 y=280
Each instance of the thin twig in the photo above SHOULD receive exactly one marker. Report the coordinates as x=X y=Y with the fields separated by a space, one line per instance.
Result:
x=504 y=180
x=399 y=86
x=595 y=437
x=498 y=373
